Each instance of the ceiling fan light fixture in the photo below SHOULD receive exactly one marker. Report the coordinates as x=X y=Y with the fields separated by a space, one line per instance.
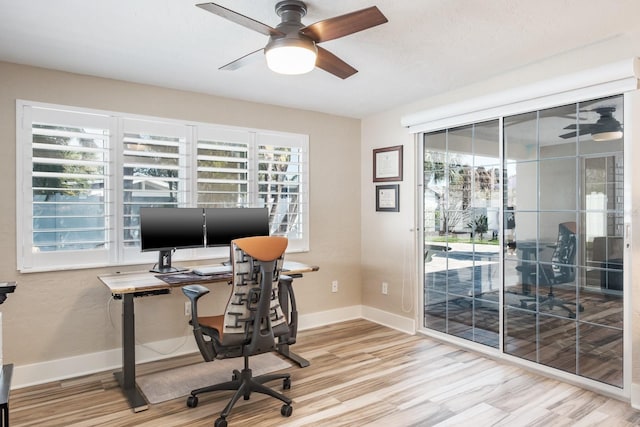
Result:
x=291 y=55
x=606 y=136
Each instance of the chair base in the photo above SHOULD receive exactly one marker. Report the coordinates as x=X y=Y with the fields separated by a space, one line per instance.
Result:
x=244 y=383
x=551 y=301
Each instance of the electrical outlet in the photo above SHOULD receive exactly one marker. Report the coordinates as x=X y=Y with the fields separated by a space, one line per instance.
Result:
x=385 y=288
x=187 y=308
x=334 y=286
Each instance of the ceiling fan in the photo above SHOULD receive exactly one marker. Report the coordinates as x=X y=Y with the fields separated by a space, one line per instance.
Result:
x=606 y=128
x=292 y=47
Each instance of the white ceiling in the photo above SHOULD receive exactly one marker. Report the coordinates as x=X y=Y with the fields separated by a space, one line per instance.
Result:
x=428 y=47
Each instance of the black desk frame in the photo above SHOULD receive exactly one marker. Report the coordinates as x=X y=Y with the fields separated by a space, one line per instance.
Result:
x=127 y=377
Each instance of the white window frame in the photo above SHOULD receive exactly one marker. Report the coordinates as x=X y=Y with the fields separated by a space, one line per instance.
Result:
x=115 y=253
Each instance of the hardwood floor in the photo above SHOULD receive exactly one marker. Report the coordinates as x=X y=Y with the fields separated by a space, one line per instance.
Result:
x=361 y=374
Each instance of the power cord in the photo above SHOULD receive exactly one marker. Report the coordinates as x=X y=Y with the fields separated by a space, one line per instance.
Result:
x=407 y=270
x=142 y=344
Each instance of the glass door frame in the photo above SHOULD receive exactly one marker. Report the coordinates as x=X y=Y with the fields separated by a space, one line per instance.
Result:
x=499 y=352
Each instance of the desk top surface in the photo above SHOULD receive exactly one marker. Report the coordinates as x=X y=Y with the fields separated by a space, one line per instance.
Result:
x=140 y=281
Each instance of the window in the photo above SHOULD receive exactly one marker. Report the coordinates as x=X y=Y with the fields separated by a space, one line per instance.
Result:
x=83 y=176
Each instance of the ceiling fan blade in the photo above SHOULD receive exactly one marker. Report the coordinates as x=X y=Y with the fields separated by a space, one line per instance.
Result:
x=241 y=62
x=245 y=21
x=569 y=135
x=584 y=129
x=334 y=65
x=344 y=25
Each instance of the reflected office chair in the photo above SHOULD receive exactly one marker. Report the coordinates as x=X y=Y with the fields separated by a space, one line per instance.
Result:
x=251 y=323
x=561 y=270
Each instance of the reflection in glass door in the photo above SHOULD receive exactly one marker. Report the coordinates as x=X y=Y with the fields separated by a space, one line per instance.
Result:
x=548 y=209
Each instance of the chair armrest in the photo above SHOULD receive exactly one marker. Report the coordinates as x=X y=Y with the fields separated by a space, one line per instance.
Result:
x=194 y=292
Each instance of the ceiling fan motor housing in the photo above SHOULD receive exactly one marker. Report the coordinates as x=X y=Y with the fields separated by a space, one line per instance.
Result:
x=291 y=12
x=606 y=122
x=297 y=8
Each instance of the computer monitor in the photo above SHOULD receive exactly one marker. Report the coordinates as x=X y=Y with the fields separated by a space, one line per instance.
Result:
x=167 y=229
x=226 y=224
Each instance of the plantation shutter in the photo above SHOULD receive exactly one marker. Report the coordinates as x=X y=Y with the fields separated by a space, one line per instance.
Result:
x=282 y=177
x=154 y=161
x=66 y=212
x=223 y=171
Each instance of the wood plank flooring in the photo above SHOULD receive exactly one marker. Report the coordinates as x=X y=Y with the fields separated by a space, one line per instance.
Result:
x=361 y=374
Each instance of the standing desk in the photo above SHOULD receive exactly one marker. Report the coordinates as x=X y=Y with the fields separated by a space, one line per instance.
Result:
x=127 y=286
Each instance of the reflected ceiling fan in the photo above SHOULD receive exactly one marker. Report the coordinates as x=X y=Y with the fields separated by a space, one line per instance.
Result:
x=292 y=47
x=606 y=128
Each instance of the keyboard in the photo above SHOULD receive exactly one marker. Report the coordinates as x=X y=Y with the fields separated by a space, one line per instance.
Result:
x=211 y=270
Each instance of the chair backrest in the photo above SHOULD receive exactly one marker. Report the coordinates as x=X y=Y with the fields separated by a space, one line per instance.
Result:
x=564 y=254
x=253 y=316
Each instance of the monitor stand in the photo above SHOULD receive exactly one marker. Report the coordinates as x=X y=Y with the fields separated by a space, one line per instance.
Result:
x=164 y=264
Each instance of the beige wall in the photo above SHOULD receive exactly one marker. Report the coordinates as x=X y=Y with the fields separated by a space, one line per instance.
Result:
x=63 y=314
x=388 y=239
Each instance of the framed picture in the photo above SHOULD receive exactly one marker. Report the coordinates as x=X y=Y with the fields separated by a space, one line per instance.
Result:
x=388 y=198
x=387 y=164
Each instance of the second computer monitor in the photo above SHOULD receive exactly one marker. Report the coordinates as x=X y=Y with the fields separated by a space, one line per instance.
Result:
x=226 y=224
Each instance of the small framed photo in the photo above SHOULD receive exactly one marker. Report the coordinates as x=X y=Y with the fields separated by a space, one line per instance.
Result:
x=387 y=164
x=388 y=198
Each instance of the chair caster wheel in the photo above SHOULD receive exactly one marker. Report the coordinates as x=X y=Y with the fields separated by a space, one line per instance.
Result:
x=286 y=410
x=192 y=401
x=220 y=422
x=286 y=384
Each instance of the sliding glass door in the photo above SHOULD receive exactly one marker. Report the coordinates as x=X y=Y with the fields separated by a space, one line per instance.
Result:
x=523 y=233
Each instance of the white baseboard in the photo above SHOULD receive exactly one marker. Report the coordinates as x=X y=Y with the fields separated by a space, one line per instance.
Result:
x=391 y=320
x=322 y=318
x=634 y=399
x=85 y=364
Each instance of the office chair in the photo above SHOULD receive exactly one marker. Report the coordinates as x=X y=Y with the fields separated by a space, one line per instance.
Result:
x=561 y=270
x=250 y=324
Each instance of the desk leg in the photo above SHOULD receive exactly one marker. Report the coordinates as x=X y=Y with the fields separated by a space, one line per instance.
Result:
x=5 y=414
x=283 y=347
x=127 y=378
